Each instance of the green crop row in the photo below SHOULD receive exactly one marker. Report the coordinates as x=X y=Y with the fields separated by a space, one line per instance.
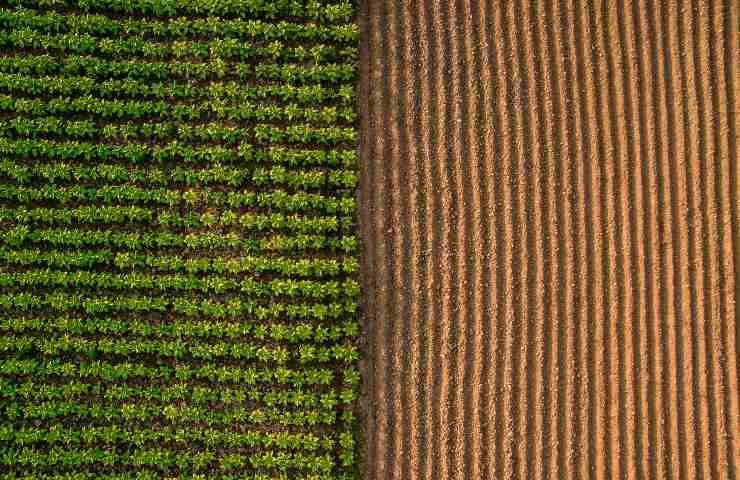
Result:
x=187 y=134
x=147 y=474
x=211 y=372
x=237 y=307
x=155 y=178
x=277 y=222
x=142 y=473
x=173 y=414
x=225 y=48
x=275 y=200
x=214 y=69
x=70 y=85
x=315 y=10
x=301 y=333
x=162 y=459
x=68 y=216
x=141 y=437
x=179 y=392
x=179 y=349
x=126 y=347
x=181 y=27
x=309 y=289
x=172 y=152
x=307 y=267
x=167 y=218
x=244 y=111
x=18 y=235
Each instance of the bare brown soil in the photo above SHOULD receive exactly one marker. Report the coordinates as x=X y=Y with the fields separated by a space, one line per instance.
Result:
x=549 y=213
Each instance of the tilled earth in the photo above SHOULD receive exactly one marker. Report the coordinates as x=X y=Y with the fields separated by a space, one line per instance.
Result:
x=551 y=239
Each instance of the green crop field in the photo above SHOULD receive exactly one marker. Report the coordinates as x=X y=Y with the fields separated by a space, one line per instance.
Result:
x=178 y=271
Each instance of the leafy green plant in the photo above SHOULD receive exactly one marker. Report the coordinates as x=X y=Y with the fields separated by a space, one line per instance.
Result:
x=178 y=271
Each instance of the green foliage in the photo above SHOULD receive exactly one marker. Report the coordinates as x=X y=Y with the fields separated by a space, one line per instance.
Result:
x=181 y=27
x=214 y=69
x=65 y=86
x=174 y=151
x=178 y=271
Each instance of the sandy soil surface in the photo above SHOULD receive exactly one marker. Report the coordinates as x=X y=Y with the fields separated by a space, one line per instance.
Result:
x=551 y=239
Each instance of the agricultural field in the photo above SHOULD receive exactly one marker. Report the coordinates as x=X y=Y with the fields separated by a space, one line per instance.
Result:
x=178 y=261
x=550 y=220
x=369 y=239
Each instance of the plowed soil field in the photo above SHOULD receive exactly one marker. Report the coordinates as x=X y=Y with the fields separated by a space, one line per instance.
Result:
x=551 y=239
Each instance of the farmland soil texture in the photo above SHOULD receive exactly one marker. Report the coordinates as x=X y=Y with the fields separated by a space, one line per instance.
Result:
x=551 y=242
x=178 y=258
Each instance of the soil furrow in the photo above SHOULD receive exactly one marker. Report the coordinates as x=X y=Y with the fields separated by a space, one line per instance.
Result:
x=366 y=144
x=459 y=280
x=427 y=184
x=658 y=173
x=570 y=291
x=538 y=212
x=476 y=228
x=510 y=260
x=594 y=229
x=674 y=144
x=412 y=245
x=729 y=202
x=687 y=419
x=522 y=265
x=546 y=205
x=445 y=229
x=706 y=273
x=492 y=353
x=560 y=166
x=380 y=414
x=730 y=40
x=723 y=249
x=612 y=196
x=584 y=198
x=394 y=218
x=697 y=283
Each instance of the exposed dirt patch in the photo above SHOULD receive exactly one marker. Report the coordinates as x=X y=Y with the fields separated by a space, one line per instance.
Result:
x=549 y=214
